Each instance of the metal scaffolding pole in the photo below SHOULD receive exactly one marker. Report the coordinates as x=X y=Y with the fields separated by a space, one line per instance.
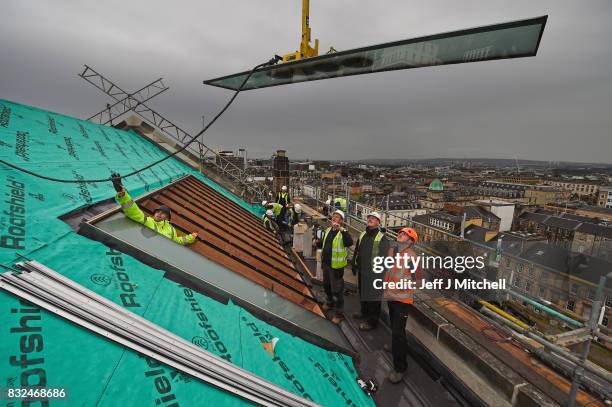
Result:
x=586 y=346
x=130 y=102
x=225 y=166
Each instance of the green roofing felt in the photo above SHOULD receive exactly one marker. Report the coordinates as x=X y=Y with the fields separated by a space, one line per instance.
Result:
x=436 y=185
x=94 y=370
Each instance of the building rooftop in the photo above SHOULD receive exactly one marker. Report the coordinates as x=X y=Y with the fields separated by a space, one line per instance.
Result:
x=566 y=262
x=436 y=185
x=96 y=370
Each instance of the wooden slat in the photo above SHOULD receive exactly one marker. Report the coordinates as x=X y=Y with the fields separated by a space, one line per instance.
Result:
x=239 y=267
x=224 y=202
x=187 y=221
x=238 y=241
x=223 y=220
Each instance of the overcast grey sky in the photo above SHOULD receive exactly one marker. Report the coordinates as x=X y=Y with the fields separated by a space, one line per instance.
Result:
x=556 y=106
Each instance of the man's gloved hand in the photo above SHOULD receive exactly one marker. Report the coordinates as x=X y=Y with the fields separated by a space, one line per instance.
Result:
x=117 y=182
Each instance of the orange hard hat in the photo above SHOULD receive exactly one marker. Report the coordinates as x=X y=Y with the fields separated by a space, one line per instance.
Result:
x=411 y=233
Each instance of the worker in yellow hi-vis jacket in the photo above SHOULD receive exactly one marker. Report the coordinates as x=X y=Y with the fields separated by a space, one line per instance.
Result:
x=159 y=222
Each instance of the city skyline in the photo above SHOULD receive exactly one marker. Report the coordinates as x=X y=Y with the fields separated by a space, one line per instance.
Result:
x=553 y=107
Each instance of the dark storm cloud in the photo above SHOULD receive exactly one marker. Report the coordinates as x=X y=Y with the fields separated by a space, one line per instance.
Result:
x=555 y=106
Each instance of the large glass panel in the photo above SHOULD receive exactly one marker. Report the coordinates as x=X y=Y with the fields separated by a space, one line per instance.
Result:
x=500 y=41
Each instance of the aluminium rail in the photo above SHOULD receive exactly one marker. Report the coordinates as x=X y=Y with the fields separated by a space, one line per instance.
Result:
x=64 y=297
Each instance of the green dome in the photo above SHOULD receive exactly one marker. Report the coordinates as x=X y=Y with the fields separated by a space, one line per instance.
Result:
x=436 y=185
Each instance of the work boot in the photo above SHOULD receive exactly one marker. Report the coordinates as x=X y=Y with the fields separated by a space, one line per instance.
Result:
x=387 y=347
x=357 y=315
x=395 y=377
x=326 y=307
x=337 y=319
x=366 y=326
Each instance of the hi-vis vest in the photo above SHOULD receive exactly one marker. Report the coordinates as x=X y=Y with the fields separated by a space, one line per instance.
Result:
x=339 y=252
x=341 y=202
x=397 y=274
x=282 y=196
x=132 y=211
x=294 y=218
x=375 y=246
x=276 y=208
x=267 y=222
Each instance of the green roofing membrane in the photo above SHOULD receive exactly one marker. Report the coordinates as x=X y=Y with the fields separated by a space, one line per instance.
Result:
x=38 y=347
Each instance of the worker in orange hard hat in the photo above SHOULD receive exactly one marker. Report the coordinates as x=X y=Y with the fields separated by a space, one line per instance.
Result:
x=399 y=300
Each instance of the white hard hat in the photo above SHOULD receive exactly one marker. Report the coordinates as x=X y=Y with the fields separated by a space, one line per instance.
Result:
x=264 y=203
x=297 y=208
x=339 y=212
x=269 y=212
x=284 y=188
x=328 y=202
x=375 y=214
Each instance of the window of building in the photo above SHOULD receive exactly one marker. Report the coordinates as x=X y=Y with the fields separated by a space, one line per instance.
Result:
x=517 y=282
x=519 y=267
x=608 y=301
x=527 y=286
x=570 y=305
x=591 y=294
x=604 y=321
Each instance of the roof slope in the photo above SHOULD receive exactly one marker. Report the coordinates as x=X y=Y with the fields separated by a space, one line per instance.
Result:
x=232 y=237
x=92 y=369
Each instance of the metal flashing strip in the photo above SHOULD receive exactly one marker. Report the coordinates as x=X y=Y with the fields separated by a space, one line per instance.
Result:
x=515 y=39
x=62 y=296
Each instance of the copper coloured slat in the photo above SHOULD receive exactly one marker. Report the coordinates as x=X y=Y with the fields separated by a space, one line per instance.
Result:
x=191 y=222
x=220 y=219
x=226 y=205
x=245 y=240
x=240 y=216
x=255 y=228
x=237 y=265
x=224 y=202
x=202 y=220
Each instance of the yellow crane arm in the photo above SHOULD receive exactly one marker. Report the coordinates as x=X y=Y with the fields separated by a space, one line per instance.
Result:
x=305 y=51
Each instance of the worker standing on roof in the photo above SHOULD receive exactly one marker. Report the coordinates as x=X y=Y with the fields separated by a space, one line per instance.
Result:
x=269 y=222
x=276 y=208
x=294 y=216
x=159 y=222
x=327 y=208
x=335 y=244
x=283 y=198
x=371 y=243
x=340 y=203
x=400 y=300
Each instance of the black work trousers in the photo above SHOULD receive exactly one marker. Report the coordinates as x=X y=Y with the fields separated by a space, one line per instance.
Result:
x=333 y=283
x=370 y=304
x=398 y=313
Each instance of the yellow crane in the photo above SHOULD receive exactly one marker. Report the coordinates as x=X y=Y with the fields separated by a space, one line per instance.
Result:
x=306 y=51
